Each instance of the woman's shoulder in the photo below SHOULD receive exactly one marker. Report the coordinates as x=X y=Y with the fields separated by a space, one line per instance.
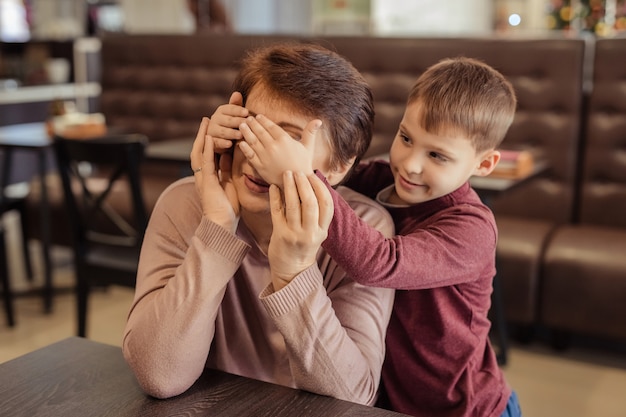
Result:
x=178 y=196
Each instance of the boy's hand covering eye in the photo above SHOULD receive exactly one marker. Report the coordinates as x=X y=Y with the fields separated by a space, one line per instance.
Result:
x=272 y=151
x=224 y=126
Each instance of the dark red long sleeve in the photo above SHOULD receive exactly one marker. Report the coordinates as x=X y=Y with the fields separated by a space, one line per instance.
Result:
x=439 y=360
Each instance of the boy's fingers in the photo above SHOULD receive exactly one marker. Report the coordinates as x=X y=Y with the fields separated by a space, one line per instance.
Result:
x=221 y=145
x=249 y=136
x=248 y=152
x=266 y=130
x=236 y=98
x=310 y=133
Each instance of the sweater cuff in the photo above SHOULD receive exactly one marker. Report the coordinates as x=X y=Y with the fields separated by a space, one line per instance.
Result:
x=220 y=240
x=293 y=294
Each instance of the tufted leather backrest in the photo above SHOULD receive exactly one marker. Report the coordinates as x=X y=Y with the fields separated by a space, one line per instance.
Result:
x=161 y=85
x=603 y=189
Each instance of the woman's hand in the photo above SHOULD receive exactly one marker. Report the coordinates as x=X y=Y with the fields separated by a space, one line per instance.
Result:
x=224 y=127
x=217 y=193
x=272 y=151
x=300 y=225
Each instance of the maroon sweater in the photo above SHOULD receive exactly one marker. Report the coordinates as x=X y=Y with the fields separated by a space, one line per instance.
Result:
x=439 y=360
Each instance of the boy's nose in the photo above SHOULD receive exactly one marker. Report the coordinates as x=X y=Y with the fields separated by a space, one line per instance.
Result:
x=414 y=165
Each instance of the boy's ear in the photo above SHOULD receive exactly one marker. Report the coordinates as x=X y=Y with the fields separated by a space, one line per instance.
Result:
x=336 y=175
x=487 y=163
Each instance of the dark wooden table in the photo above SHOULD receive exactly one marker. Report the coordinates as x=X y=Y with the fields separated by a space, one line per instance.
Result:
x=34 y=138
x=79 y=377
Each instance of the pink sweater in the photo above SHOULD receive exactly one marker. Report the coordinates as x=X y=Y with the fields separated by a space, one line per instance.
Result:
x=204 y=298
x=442 y=261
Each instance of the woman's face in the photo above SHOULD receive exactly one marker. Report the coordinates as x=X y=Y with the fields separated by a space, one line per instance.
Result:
x=252 y=190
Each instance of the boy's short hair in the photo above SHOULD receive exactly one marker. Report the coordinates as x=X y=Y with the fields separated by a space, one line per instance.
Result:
x=466 y=96
x=317 y=82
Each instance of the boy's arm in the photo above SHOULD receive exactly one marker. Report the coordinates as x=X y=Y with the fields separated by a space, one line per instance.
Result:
x=369 y=257
x=455 y=248
x=446 y=253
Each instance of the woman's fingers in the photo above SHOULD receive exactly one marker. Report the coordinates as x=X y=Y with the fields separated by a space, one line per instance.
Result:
x=208 y=157
x=325 y=203
x=197 y=150
x=292 y=200
x=276 y=206
x=308 y=202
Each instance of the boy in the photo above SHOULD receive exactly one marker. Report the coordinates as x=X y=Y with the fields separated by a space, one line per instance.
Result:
x=439 y=360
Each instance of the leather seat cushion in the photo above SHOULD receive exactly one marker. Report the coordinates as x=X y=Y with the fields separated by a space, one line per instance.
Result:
x=584 y=285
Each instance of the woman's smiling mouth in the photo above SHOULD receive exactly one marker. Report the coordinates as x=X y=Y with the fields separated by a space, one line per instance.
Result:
x=256 y=184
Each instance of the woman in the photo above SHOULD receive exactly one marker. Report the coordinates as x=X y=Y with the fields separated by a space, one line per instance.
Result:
x=218 y=286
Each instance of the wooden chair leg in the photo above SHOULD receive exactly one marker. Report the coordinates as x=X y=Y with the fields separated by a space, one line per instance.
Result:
x=82 y=293
x=27 y=258
x=498 y=306
x=7 y=294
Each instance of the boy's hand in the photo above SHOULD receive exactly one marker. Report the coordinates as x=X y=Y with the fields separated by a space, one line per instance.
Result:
x=272 y=151
x=300 y=225
x=224 y=127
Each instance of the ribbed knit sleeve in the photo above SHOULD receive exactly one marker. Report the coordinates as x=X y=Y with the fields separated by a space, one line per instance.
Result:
x=204 y=298
x=180 y=285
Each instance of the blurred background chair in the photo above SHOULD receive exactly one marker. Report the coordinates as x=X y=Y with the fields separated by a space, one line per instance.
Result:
x=7 y=294
x=12 y=198
x=106 y=209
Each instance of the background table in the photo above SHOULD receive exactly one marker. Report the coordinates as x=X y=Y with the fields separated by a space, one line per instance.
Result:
x=176 y=151
x=79 y=377
x=489 y=188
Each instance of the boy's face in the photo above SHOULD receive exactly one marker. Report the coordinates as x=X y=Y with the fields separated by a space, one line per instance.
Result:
x=426 y=166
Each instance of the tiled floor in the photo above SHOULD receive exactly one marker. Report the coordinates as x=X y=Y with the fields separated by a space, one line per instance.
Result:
x=577 y=383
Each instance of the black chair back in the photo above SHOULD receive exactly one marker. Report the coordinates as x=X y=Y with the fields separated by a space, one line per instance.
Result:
x=11 y=200
x=106 y=242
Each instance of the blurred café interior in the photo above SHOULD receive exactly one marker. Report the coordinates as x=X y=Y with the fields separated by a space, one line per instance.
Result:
x=561 y=262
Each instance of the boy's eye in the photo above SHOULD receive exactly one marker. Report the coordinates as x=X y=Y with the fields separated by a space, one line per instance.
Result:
x=437 y=156
x=405 y=138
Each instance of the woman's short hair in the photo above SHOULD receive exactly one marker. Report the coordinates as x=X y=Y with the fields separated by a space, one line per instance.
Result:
x=320 y=83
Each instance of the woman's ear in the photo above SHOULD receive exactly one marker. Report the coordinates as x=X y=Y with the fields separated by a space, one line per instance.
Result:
x=487 y=163
x=336 y=175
